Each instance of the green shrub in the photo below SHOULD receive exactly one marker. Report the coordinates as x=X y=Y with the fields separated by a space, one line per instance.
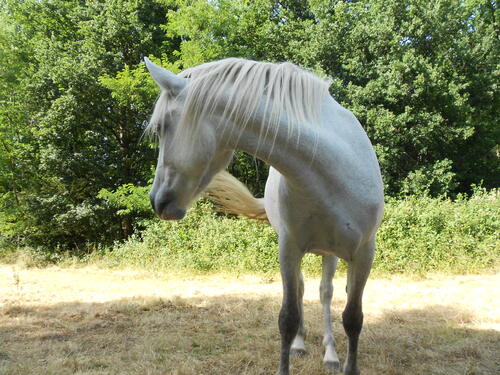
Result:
x=418 y=235
x=203 y=241
x=425 y=234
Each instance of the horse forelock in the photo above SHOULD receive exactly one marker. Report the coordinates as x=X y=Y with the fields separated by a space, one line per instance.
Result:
x=156 y=124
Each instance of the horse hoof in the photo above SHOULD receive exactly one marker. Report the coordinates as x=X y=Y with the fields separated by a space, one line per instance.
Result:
x=297 y=352
x=351 y=371
x=332 y=366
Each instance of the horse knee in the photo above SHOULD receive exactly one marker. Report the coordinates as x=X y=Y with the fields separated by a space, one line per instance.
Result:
x=289 y=322
x=352 y=320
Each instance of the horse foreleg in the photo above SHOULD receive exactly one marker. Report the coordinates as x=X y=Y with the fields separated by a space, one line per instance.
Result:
x=289 y=318
x=331 y=359
x=298 y=345
x=352 y=317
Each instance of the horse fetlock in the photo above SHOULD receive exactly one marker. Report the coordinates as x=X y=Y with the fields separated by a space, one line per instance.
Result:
x=298 y=347
x=328 y=339
x=298 y=352
x=331 y=358
x=332 y=366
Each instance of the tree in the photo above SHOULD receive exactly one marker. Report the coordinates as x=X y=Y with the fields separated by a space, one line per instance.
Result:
x=80 y=134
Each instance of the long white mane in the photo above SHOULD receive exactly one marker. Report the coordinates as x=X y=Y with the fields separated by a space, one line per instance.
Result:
x=286 y=91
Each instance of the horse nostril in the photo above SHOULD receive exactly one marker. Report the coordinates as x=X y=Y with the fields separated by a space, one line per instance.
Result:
x=163 y=202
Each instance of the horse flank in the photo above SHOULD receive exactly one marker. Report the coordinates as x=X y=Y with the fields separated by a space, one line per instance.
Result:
x=284 y=89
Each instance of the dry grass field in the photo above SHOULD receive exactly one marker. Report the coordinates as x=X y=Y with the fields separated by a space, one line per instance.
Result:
x=95 y=321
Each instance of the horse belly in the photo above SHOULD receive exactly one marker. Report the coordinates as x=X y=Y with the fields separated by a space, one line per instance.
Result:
x=340 y=238
x=337 y=228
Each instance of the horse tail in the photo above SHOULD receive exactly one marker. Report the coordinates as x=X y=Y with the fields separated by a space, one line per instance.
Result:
x=232 y=197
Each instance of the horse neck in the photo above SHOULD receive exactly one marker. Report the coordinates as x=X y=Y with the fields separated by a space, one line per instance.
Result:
x=292 y=152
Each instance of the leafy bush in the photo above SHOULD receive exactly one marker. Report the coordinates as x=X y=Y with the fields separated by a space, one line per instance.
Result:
x=424 y=234
x=418 y=235
x=132 y=205
x=436 y=180
x=203 y=241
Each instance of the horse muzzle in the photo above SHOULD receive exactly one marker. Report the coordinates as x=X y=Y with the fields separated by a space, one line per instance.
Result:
x=174 y=213
x=166 y=207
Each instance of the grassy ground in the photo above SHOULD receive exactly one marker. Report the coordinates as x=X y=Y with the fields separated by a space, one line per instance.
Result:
x=94 y=321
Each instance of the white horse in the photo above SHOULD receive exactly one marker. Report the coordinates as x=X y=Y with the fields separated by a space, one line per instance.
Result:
x=324 y=194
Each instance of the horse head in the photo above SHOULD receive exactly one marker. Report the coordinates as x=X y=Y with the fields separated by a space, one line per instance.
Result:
x=186 y=162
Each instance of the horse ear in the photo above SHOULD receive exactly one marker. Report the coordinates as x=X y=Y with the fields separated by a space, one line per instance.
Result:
x=166 y=80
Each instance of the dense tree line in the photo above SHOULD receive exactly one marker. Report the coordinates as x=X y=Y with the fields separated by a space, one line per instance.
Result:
x=422 y=77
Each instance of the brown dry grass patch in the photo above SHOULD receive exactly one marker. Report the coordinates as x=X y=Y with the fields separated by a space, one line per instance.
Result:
x=91 y=321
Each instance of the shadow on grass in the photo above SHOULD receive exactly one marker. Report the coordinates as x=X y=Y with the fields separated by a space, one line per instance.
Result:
x=229 y=335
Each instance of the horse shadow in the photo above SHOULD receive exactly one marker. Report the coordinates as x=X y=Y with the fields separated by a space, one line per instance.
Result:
x=231 y=334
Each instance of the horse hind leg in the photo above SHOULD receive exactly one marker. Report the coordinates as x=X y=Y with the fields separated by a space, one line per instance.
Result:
x=352 y=318
x=331 y=359
x=298 y=345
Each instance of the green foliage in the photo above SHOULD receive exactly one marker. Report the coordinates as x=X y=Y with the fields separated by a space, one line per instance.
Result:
x=418 y=235
x=425 y=234
x=436 y=180
x=131 y=88
x=251 y=171
x=421 y=76
x=203 y=241
x=76 y=98
x=132 y=205
x=129 y=199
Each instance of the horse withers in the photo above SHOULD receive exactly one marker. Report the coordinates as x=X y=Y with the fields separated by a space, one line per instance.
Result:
x=324 y=193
